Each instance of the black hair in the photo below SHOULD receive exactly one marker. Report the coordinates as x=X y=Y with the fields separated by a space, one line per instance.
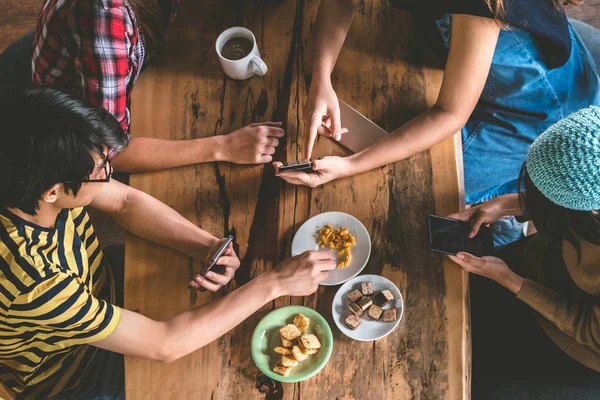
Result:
x=48 y=137
x=556 y=222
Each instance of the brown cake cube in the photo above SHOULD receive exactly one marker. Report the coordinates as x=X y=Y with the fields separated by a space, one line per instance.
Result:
x=366 y=288
x=383 y=298
x=389 y=315
x=355 y=309
x=354 y=295
x=352 y=321
x=365 y=302
x=375 y=312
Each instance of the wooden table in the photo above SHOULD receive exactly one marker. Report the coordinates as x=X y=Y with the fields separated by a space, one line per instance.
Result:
x=387 y=73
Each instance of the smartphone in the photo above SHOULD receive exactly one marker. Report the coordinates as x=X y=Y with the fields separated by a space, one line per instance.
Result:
x=451 y=236
x=213 y=260
x=296 y=166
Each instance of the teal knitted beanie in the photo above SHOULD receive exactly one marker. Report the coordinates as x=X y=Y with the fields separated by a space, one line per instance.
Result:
x=564 y=162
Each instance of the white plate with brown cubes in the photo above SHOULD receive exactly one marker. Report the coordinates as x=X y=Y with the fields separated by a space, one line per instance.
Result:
x=367 y=308
x=342 y=234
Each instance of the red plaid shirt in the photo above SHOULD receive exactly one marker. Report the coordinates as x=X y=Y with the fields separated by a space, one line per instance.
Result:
x=92 y=49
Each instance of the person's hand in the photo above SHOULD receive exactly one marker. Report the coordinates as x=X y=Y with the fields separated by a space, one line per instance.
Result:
x=490 y=267
x=214 y=281
x=252 y=144
x=321 y=114
x=323 y=171
x=484 y=213
x=300 y=275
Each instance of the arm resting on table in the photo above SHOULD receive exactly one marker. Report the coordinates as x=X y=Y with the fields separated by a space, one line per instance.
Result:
x=166 y=341
x=472 y=49
x=149 y=218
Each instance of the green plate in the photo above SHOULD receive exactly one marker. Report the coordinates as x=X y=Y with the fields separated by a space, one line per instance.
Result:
x=266 y=337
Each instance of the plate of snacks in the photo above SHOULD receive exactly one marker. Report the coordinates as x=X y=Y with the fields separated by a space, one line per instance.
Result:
x=340 y=233
x=367 y=307
x=291 y=344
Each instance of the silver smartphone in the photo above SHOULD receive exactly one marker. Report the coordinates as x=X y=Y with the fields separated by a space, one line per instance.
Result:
x=213 y=260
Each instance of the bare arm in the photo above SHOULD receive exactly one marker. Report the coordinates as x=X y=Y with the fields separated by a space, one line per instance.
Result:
x=166 y=341
x=144 y=154
x=148 y=218
x=471 y=52
x=472 y=49
x=139 y=336
x=333 y=22
x=252 y=144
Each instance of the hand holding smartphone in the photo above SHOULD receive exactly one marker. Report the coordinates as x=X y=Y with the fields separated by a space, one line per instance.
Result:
x=211 y=264
x=451 y=236
x=219 y=267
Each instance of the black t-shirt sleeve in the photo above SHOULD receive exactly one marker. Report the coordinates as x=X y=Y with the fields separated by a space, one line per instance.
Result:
x=547 y=24
x=478 y=8
x=437 y=8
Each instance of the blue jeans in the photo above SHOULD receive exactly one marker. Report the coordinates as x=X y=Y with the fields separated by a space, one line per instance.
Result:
x=522 y=97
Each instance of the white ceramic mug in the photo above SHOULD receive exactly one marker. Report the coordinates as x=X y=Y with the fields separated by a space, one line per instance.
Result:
x=245 y=67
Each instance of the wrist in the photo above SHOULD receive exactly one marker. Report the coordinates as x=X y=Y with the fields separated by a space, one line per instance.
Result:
x=202 y=246
x=219 y=146
x=321 y=75
x=509 y=204
x=511 y=281
x=271 y=285
x=346 y=168
x=352 y=165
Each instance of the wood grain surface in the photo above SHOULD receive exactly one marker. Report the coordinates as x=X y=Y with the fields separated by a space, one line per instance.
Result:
x=185 y=95
x=17 y=17
x=387 y=72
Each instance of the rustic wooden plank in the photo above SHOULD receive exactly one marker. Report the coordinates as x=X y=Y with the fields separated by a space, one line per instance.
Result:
x=219 y=197
x=17 y=17
x=377 y=73
x=186 y=107
x=179 y=97
x=267 y=98
x=449 y=195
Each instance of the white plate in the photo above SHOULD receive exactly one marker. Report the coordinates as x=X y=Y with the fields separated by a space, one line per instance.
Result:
x=368 y=330
x=305 y=240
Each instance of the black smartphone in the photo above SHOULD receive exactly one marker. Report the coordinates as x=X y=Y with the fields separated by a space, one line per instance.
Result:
x=296 y=166
x=451 y=236
x=213 y=260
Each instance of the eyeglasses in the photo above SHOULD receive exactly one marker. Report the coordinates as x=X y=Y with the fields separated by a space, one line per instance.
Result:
x=108 y=171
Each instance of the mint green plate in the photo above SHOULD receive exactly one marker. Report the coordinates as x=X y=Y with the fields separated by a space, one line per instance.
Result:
x=266 y=337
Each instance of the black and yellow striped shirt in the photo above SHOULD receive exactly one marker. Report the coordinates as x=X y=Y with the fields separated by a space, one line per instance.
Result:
x=56 y=290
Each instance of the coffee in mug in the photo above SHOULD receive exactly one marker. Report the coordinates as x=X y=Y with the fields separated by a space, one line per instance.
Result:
x=236 y=48
x=239 y=55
